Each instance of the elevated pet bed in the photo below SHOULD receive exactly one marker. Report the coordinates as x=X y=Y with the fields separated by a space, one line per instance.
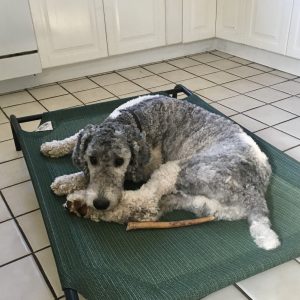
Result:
x=103 y=261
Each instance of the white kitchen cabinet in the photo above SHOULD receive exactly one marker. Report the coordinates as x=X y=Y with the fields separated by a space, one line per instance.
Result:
x=69 y=31
x=293 y=48
x=230 y=23
x=267 y=24
x=173 y=21
x=133 y=25
x=198 y=19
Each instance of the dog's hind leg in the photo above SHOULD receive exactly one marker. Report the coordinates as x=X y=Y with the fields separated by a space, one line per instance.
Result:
x=67 y=184
x=260 y=229
x=59 y=148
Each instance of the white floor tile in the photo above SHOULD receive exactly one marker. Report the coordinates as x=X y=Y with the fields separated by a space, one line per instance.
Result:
x=151 y=81
x=241 y=61
x=4 y=213
x=228 y=293
x=268 y=95
x=33 y=226
x=244 y=71
x=21 y=198
x=26 y=109
x=108 y=79
x=217 y=93
x=290 y=104
x=290 y=87
x=222 y=54
x=269 y=115
x=160 y=68
x=224 y=64
x=223 y=109
x=123 y=88
x=93 y=95
x=243 y=86
x=177 y=75
x=79 y=85
x=8 y=151
x=201 y=70
x=61 y=102
x=283 y=74
x=197 y=83
x=15 y=99
x=278 y=139
x=249 y=123
x=135 y=73
x=13 y=172
x=12 y=244
x=279 y=283
x=291 y=127
x=221 y=77
x=295 y=153
x=184 y=62
x=23 y=280
x=205 y=57
x=241 y=103
x=266 y=79
x=3 y=118
x=47 y=261
x=260 y=67
x=47 y=91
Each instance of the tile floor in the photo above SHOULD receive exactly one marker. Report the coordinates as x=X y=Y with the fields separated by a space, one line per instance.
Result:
x=264 y=100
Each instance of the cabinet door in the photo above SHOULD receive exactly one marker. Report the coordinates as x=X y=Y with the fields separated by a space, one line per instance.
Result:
x=133 y=25
x=267 y=24
x=230 y=24
x=69 y=31
x=198 y=19
x=293 y=48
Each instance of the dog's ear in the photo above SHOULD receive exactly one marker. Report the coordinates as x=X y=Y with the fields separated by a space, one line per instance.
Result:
x=84 y=137
x=140 y=151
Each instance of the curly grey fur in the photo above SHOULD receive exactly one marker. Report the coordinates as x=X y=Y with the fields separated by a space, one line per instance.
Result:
x=221 y=169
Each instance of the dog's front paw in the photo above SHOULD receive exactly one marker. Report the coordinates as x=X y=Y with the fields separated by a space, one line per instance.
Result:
x=67 y=184
x=60 y=186
x=76 y=204
x=52 y=149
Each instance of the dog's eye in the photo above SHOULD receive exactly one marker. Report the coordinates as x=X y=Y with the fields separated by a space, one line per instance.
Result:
x=118 y=161
x=93 y=160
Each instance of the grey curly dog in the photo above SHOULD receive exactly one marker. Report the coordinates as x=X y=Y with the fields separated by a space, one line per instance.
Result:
x=190 y=159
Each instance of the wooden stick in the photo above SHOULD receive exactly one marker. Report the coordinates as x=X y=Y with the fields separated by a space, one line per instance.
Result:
x=163 y=225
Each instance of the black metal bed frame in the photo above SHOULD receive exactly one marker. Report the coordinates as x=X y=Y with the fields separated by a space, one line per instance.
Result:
x=15 y=122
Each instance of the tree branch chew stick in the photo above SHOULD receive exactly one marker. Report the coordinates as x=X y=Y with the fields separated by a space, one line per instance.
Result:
x=164 y=225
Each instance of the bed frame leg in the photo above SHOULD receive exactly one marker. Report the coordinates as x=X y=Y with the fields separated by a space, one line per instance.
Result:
x=14 y=124
x=71 y=294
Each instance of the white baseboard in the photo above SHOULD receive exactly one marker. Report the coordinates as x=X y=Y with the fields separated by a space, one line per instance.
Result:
x=270 y=59
x=106 y=64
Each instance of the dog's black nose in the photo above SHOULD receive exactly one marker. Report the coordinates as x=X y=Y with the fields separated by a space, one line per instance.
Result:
x=101 y=204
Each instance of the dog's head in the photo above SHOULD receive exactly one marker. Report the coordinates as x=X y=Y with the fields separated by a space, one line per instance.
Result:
x=108 y=154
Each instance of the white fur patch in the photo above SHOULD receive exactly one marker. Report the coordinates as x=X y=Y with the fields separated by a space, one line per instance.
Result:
x=256 y=150
x=263 y=235
x=130 y=103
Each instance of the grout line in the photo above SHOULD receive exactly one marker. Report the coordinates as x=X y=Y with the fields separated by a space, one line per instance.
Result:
x=292 y=147
x=15 y=260
x=242 y=291
x=10 y=160
x=9 y=186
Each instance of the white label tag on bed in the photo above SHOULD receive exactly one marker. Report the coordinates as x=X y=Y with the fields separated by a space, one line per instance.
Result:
x=45 y=126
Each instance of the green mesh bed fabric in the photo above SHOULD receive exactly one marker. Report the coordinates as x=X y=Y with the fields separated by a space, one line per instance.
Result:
x=103 y=261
